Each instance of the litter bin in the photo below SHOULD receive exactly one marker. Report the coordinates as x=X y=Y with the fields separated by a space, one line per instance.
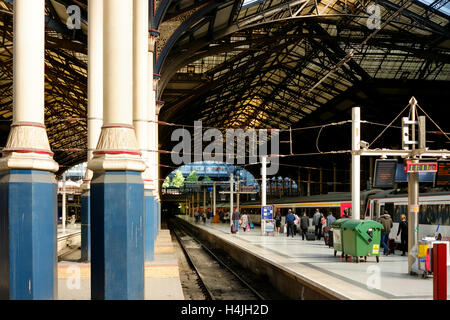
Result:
x=337 y=228
x=361 y=238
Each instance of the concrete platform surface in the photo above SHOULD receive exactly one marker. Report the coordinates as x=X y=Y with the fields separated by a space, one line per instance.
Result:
x=70 y=229
x=315 y=262
x=162 y=277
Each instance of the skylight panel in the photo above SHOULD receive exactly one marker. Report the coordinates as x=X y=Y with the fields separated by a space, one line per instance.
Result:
x=438 y=5
x=250 y=3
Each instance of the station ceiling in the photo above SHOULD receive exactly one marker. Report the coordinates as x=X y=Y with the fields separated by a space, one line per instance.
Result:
x=257 y=64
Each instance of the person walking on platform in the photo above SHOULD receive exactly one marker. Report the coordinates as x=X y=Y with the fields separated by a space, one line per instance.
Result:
x=203 y=214
x=245 y=222
x=387 y=223
x=278 y=221
x=196 y=215
x=221 y=216
x=290 y=218
x=296 y=223
x=330 y=219
x=403 y=231
x=304 y=224
x=235 y=217
x=317 y=223
x=209 y=215
x=327 y=233
x=346 y=214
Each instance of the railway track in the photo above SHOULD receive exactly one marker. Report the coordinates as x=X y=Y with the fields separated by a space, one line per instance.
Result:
x=216 y=277
x=67 y=245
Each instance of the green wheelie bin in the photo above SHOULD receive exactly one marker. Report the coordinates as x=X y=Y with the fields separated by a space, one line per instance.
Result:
x=337 y=228
x=361 y=238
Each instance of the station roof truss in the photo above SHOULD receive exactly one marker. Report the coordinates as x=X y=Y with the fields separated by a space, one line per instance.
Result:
x=242 y=64
x=253 y=63
x=65 y=83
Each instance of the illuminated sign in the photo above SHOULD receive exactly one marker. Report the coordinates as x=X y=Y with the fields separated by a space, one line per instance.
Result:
x=443 y=174
x=402 y=176
x=412 y=167
x=385 y=173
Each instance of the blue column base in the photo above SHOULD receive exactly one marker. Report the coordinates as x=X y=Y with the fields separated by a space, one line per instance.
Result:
x=28 y=232
x=117 y=247
x=155 y=220
x=159 y=216
x=149 y=230
x=86 y=226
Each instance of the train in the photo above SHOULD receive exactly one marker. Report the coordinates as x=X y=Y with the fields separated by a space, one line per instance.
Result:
x=434 y=214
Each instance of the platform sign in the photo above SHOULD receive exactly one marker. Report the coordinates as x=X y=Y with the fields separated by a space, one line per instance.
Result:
x=385 y=173
x=401 y=176
x=412 y=167
x=443 y=174
x=267 y=212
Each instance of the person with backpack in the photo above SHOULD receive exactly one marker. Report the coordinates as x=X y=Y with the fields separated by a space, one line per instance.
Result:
x=235 y=217
x=209 y=215
x=387 y=223
x=278 y=221
x=403 y=232
x=245 y=222
x=290 y=218
x=203 y=214
x=304 y=224
x=196 y=215
x=296 y=224
x=327 y=233
x=317 y=221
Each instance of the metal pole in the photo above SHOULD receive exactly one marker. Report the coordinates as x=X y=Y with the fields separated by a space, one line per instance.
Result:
x=356 y=163
x=204 y=200
x=214 y=199
x=263 y=189
x=264 y=181
x=321 y=181
x=334 y=178
x=231 y=198
x=63 y=205
x=198 y=201
x=238 y=189
x=308 y=190
x=413 y=196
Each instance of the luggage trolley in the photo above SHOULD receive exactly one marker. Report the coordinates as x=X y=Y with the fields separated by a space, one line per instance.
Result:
x=267 y=221
x=269 y=227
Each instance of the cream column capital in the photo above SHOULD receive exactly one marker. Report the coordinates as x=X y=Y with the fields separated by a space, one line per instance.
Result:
x=28 y=146
x=117 y=148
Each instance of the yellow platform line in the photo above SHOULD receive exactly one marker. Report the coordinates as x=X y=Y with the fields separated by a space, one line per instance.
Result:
x=151 y=271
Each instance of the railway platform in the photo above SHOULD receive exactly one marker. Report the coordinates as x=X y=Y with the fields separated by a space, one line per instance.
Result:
x=162 y=278
x=309 y=270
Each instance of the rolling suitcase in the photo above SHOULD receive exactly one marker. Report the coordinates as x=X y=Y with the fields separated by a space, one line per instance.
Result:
x=330 y=239
x=233 y=228
x=392 y=245
x=310 y=235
